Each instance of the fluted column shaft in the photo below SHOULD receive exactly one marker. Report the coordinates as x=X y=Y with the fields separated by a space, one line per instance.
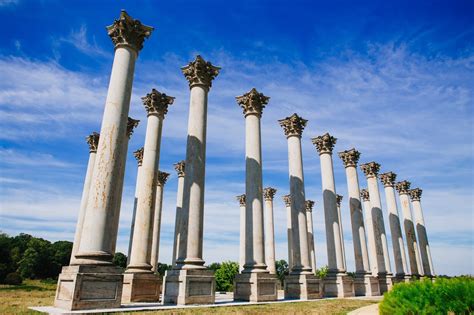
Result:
x=369 y=223
x=310 y=231
x=388 y=179
x=161 y=178
x=287 y=200
x=341 y=233
x=178 y=224
x=93 y=140
x=242 y=246
x=102 y=213
x=269 y=230
x=357 y=221
x=425 y=251
x=139 y=156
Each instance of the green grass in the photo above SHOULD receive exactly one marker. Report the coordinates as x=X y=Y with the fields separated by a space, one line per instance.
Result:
x=17 y=299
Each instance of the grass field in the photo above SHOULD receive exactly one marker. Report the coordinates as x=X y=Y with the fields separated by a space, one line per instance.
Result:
x=16 y=299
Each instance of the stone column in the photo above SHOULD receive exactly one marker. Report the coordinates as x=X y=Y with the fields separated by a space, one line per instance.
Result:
x=178 y=225
x=416 y=268
x=98 y=239
x=382 y=262
x=364 y=283
x=139 y=157
x=241 y=200
x=309 y=225
x=139 y=270
x=178 y=289
x=287 y=201
x=369 y=223
x=337 y=283
x=388 y=180
x=93 y=141
x=268 y=194
x=254 y=283
x=161 y=179
x=415 y=195
x=338 y=202
x=301 y=282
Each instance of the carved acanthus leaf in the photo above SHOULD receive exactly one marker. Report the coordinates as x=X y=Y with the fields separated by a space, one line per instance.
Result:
x=415 y=194
x=293 y=125
x=388 y=179
x=200 y=72
x=309 y=204
x=139 y=156
x=127 y=31
x=241 y=199
x=93 y=141
x=350 y=158
x=252 y=102
x=157 y=103
x=287 y=200
x=179 y=167
x=324 y=143
x=269 y=193
x=364 y=194
x=131 y=125
x=370 y=169
x=161 y=178
x=338 y=200
x=403 y=187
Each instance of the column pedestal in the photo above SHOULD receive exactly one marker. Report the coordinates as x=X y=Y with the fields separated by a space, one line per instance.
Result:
x=189 y=286
x=366 y=285
x=303 y=287
x=255 y=287
x=385 y=282
x=141 y=287
x=89 y=287
x=338 y=285
x=399 y=278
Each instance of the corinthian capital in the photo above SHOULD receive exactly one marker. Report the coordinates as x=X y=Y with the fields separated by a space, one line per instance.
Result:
x=131 y=125
x=161 y=178
x=338 y=200
x=364 y=194
x=293 y=125
x=324 y=143
x=200 y=72
x=350 y=158
x=139 y=156
x=388 y=179
x=287 y=200
x=127 y=31
x=241 y=199
x=403 y=187
x=269 y=193
x=93 y=141
x=179 y=167
x=253 y=102
x=308 y=205
x=415 y=194
x=370 y=169
x=157 y=103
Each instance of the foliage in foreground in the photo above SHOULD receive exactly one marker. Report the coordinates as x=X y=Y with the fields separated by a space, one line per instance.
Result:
x=225 y=276
x=444 y=296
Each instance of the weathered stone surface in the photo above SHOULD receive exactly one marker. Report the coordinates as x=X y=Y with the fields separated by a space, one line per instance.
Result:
x=189 y=286
x=141 y=287
x=268 y=194
x=303 y=287
x=338 y=285
x=366 y=285
x=255 y=287
x=127 y=31
x=293 y=125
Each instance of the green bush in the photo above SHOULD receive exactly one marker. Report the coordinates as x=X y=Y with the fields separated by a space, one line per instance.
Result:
x=455 y=296
x=13 y=278
x=225 y=276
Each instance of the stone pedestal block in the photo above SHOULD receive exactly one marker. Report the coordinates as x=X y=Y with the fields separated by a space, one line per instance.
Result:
x=89 y=287
x=366 y=285
x=189 y=286
x=401 y=278
x=338 y=285
x=303 y=287
x=385 y=282
x=255 y=287
x=141 y=287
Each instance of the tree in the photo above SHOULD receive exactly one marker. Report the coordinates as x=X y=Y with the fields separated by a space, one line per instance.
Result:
x=214 y=266
x=61 y=256
x=322 y=272
x=162 y=268
x=36 y=261
x=120 y=260
x=281 y=269
x=225 y=276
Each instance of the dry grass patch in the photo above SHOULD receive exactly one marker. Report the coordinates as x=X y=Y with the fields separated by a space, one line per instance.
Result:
x=17 y=299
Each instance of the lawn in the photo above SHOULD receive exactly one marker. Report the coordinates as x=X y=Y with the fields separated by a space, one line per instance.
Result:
x=16 y=299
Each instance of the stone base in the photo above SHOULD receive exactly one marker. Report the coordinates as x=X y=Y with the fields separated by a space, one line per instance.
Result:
x=400 y=278
x=141 y=287
x=303 y=287
x=189 y=286
x=89 y=287
x=255 y=287
x=366 y=285
x=338 y=285
x=385 y=282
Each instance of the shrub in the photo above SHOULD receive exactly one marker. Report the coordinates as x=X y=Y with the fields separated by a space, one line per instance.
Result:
x=225 y=276
x=322 y=272
x=13 y=278
x=425 y=297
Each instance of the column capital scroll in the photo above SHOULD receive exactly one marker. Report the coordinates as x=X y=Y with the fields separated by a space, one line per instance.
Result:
x=127 y=31
x=139 y=156
x=293 y=125
x=349 y=158
x=403 y=187
x=252 y=102
x=415 y=194
x=241 y=199
x=308 y=205
x=179 y=167
x=364 y=194
x=388 y=179
x=93 y=141
x=287 y=200
x=157 y=103
x=339 y=199
x=131 y=125
x=269 y=193
x=370 y=169
x=161 y=178
x=200 y=72
x=324 y=143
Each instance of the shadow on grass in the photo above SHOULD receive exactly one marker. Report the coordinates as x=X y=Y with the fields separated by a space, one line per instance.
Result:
x=28 y=288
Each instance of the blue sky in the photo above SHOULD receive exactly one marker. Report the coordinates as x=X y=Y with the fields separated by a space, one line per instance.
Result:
x=392 y=79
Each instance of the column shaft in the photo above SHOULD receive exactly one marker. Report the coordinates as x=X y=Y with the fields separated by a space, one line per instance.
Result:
x=423 y=239
x=102 y=213
x=242 y=238
x=269 y=237
x=312 y=252
x=178 y=225
x=290 y=236
x=371 y=247
x=155 y=247
x=412 y=244
x=134 y=213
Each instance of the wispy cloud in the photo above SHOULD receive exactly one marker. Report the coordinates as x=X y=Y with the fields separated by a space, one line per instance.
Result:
x=79 y=39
